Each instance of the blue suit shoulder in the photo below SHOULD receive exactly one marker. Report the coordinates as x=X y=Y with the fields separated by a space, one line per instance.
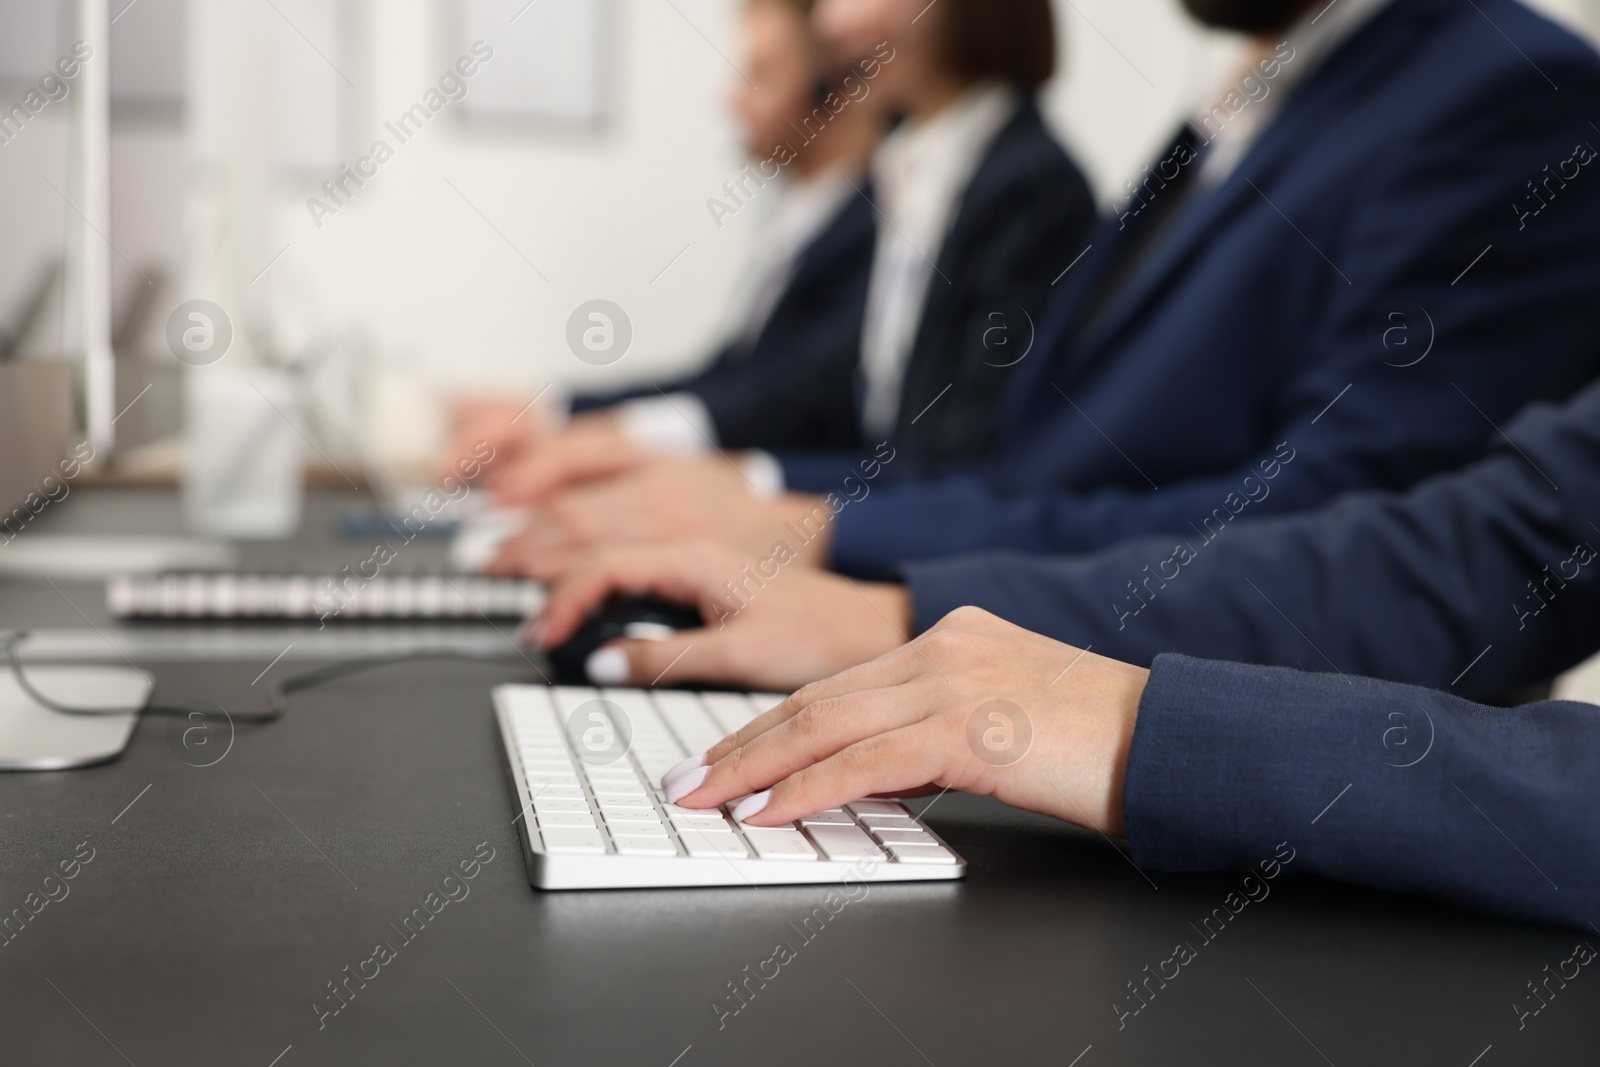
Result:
x=1510 y=45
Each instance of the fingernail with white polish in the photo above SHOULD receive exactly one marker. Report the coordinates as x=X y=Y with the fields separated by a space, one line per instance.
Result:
x=685 y=767
x=685 y=784
x=607 y=666
x=752 y=805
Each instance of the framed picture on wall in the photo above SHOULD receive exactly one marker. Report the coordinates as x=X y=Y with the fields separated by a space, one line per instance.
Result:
x=146 y=61
x=552 y=66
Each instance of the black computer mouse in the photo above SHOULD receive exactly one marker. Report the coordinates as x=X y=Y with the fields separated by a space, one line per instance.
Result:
x=618 y=617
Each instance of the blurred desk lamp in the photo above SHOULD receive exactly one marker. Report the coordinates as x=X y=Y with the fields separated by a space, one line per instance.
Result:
x=86 y=307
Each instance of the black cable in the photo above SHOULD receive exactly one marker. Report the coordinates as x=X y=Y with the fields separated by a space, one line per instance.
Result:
x=277 y=692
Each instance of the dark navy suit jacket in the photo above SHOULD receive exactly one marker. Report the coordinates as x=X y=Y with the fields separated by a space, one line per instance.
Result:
x=1381 y=216
x=1380 y=784
x=1026 y=206
x=813 y=329
x=1485 y=580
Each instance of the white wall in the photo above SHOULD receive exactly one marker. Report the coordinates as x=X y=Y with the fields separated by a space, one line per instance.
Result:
x=598 y=215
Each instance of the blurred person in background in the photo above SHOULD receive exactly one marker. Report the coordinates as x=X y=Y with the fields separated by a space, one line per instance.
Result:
x=809 y=126
x=979 y=210
x=1366 y=250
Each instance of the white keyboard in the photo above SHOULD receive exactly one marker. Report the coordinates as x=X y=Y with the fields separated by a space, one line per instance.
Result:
x=312 y=596
x=585 y=767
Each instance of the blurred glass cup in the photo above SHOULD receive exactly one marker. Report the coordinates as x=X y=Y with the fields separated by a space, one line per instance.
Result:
x=243 y=465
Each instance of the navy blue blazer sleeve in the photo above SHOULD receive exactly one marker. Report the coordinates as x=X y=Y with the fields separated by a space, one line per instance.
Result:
x=1368 y=782
x=757 y=401
x=791 y=386
x=1354 y=412
x=1487 y=579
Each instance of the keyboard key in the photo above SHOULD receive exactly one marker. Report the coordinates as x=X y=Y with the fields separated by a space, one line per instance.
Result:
x=844 y=842
x=779 y=843
x=628 y=828
x=828 y=818
x=689 y=719
x=568 y=697
x=705 y=844
x=889 y=836
x=561 y=789
x=929 y=853
x=863 y=808
x=633 y=817
x=574 y=840
x=611 y=773
x=546 y=766
x=731 y=711
x=616 y=785
x=543 y=804
x=891 y=822
x=702 y=821
x=624 y=800
x=644 y=846
x=621 y=794
x=565 y=818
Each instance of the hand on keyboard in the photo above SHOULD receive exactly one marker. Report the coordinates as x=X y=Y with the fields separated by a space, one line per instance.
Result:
x=975 y=704
x=585 y=764
x=508 y=425
x=773 y=633
x=590 y=448
x=665 y=499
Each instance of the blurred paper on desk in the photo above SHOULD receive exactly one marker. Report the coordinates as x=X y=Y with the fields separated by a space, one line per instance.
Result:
x=243 y=464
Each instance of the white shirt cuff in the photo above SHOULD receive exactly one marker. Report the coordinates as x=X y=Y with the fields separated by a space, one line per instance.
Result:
x=764 y=473
x=680 y=422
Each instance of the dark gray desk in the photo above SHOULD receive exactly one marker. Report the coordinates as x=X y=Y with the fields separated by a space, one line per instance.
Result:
x=221 y=902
